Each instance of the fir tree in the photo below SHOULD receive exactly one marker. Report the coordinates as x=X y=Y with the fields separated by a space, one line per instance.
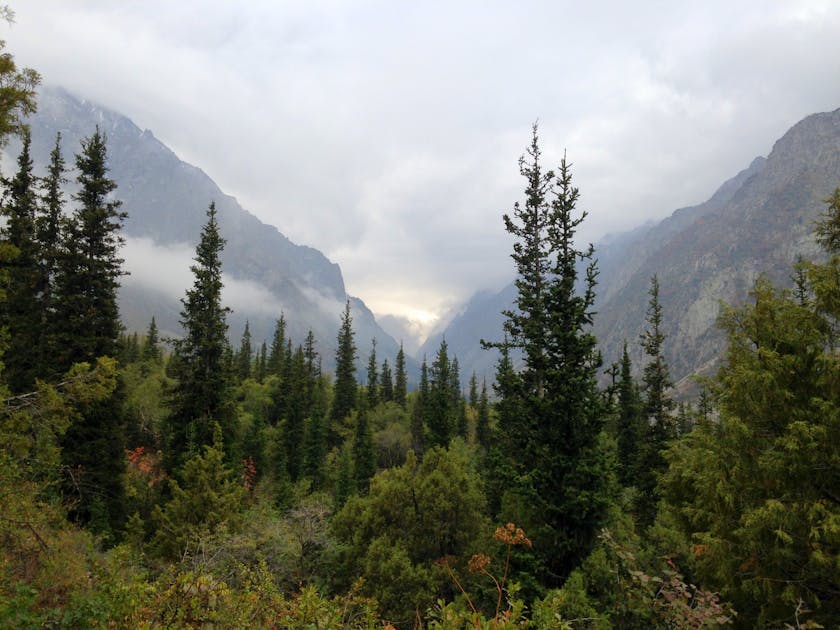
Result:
x=400 y=379
x=345 y=368
x=296 y=411
x=473 y=391
x=482 y=424
x=439 y=410
x=200 y=396
x=557 y=469
x=313 y=359
x=261 y=367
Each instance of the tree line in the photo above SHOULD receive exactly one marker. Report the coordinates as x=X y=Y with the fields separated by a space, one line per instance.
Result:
x=175 y=483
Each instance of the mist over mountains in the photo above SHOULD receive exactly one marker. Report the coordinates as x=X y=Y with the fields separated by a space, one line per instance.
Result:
x=758 y=222
x=166 y=199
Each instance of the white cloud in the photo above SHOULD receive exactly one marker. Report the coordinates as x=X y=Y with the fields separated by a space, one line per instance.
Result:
x=386 y=134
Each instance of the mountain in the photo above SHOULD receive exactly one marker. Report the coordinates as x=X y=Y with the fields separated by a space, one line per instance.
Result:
x=756 y=223
x=166 y=200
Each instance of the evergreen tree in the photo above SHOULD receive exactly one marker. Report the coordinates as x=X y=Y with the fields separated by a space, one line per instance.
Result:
x=482 y=424
x=296 y=411
x=364 y=453
x=400 y=379
x=473 y=391
x=372 y=377
x=386 y=383
x=557 y=466
x=22 y=309
x=261 y=367
x=657 y=407
x=151 y=347
x=630 y=425
x=276 y=358
x=440 y=409
x=200 y=396
x=87 y=314
x=315 y=447
x=458 y=404
x=313 y=359
x=418 y=412
x=345 y=368
x=245 y=354
x=48 y=230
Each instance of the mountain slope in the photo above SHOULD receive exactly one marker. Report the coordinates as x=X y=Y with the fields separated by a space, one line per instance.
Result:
x=756 y=223
x=166 y=200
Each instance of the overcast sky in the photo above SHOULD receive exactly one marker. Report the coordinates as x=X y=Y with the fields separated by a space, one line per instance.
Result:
x=387 y=133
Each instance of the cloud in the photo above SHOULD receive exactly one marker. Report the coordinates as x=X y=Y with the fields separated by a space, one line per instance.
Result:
x=386 y=134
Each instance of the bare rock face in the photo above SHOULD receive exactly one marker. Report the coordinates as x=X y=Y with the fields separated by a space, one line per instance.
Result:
x=757 y=223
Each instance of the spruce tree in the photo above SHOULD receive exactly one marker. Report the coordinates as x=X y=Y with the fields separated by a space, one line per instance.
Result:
x=276 y=358
x=262 y=363
x=630 y=425
x=87 y=326
x=400 y=378
x=200 y=396
x=440 y=410
x=482 y=424
x=372 y=377
x=151 y=347
x=473 y=394
x=364 y=453
x=558 y=472
x=418 y=412
x=296 y=411
x=386 y=382
x=87 y=314
x=245 y=354
x=345 y=368
x=657 y=409
x=22 y=309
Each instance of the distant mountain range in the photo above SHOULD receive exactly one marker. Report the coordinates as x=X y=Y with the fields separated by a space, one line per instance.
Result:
x=756 y=223
x=166 y=200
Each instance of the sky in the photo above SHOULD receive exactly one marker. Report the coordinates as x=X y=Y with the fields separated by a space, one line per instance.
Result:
x=386 y=134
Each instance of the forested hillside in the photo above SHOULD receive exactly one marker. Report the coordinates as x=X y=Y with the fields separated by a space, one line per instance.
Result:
x=205 y=483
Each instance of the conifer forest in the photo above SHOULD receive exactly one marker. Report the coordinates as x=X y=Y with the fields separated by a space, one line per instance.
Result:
x=219 y=480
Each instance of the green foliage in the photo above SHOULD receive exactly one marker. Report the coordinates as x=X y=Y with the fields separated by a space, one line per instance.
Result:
x=400 y=380
x=412 y=516
x=345 y=369
x=201 y=394
x=552 y=460
x=755 y=491
x=210 y=498
x=630 y=427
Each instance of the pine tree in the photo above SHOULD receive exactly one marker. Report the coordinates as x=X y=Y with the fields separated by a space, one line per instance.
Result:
x=200 y=396
x=372 y=377
x=261 y=367
x=559 y=472
x=22 y=309
x=296 y=411
x=345 y=368
x=473 y=391
x=313 y=359
x=245 y=354
x=400 y=379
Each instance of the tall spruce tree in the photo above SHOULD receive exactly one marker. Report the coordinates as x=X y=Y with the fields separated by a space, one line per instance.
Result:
x=87 y=326
x=400 y=378
x=630 y=428
x=659 y=428
x=440 y=411
x=559 y=471
x=386 y=382
x=22 y=309
x=245 y=354
x=90 y=268
x=419 y=411
x=151 y=346
x=372 y=377
x=345 y=368
x=200 y=397
x=277 y=354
